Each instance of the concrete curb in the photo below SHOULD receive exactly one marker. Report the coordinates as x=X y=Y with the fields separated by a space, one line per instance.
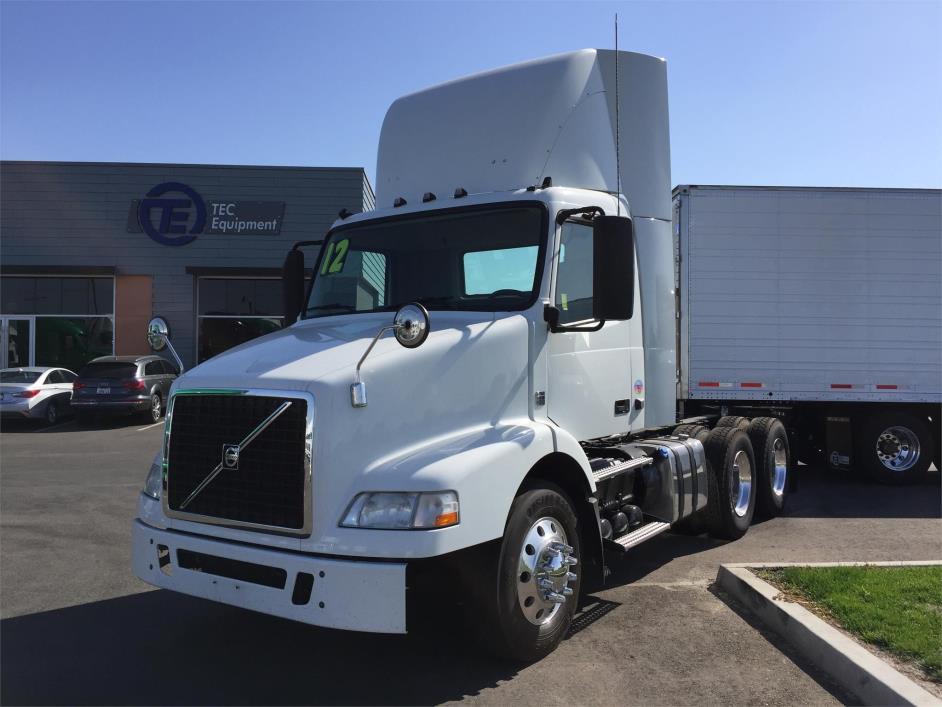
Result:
x=851 y=665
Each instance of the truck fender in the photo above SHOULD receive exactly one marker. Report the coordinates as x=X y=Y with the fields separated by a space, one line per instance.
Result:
x=484 y=466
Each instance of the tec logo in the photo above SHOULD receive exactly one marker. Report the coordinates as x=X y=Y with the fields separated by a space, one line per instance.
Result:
x=175 y=212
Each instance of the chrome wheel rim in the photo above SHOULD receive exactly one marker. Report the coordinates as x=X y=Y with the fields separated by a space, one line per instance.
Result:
x=740 y=487
x=779 y=466
x=544 y=571
x=898 y=448
x=155 y=408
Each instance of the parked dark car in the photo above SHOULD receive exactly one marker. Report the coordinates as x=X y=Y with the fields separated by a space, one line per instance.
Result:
x=124 y=384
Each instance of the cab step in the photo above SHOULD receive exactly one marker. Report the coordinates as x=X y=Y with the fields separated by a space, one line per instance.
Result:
x=636 y=537
x=619 y=468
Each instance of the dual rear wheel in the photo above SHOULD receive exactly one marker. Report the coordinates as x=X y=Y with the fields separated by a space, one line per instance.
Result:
x=747 y=470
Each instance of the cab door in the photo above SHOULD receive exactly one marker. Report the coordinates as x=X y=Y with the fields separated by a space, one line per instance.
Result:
x=590 y=382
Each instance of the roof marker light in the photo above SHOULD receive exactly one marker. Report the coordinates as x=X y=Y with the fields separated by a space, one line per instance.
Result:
x=399 y=202
x=427 y=197
x=345 y=213
x=459 y=193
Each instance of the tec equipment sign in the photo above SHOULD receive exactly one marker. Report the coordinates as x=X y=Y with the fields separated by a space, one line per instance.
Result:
x=174 y=214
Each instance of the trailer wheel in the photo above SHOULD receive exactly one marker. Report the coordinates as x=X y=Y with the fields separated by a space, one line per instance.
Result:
x=773 y=458
x=732 y=483
x=537 y=587
x=895 y=447
x=693 y=430
x=733 y=421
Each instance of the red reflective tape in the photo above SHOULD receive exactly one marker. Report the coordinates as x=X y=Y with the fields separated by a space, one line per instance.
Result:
x=886 y=387
x=841 y=385
x=750 y=385
x=709 y=384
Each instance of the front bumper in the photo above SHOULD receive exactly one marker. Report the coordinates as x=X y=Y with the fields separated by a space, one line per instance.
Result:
x=358 y=596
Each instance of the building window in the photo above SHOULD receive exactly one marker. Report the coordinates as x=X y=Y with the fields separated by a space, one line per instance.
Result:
x=56 y=321
x=232 y=311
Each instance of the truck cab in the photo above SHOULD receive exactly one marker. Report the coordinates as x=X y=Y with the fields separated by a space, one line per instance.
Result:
x=480 y=372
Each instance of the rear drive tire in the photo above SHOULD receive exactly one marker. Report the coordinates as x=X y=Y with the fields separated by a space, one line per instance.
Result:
x=693 y=430
x=732 y=481
x=52 y=412
x=895 y=447
x=733 y=421
x=773 y=458
x=513 y=614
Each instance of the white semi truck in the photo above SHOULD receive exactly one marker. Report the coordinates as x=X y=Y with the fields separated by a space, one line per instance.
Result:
x=475 y=393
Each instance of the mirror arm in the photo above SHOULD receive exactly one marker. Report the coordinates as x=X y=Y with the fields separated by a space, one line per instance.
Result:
x=358 y=389
x=173 y=351
x=564 y=215
x=356 y=373
x=551 y=316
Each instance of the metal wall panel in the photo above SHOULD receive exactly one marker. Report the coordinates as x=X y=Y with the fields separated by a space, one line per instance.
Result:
x=76 y=214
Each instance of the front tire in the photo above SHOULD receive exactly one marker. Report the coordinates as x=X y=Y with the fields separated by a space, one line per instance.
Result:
x=732 y=481
x=529 y=611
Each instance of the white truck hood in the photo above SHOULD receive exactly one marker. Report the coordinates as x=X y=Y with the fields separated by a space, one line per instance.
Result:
x=471 y=374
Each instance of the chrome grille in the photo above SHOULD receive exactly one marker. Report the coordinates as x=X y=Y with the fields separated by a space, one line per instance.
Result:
x=225 y=465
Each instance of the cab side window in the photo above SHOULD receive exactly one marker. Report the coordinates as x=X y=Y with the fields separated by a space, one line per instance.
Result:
x=153 y=368
x=574 y=273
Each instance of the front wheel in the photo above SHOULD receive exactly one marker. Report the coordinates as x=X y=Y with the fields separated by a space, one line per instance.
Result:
x=537 y=585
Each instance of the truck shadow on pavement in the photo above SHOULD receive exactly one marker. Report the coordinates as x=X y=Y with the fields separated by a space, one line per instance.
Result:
x=164 y=648
x=826 y=493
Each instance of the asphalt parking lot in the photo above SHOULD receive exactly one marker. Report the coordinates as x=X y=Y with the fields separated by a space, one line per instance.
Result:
x=77 y=628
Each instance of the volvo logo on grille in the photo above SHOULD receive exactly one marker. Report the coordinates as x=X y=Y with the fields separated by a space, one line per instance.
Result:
x=230 y=456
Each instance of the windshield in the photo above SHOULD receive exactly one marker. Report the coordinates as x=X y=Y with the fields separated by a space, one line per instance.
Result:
x=18 y=376
x=485 y=260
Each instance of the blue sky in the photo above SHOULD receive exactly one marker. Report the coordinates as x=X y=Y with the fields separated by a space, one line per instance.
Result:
x=816 y=93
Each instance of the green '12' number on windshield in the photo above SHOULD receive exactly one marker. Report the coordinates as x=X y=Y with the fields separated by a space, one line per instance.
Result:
x=335 y=257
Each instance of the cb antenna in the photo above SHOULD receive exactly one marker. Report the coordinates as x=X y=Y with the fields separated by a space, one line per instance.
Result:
x=617 y=130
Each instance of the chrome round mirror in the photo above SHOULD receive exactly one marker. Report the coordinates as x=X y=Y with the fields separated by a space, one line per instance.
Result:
x=157 y=332
x=412 y=325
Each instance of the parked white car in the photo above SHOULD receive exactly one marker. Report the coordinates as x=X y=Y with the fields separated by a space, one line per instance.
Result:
x=40 y=393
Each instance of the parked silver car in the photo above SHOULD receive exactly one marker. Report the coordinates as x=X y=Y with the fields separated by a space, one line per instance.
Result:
x=39 y=393
x=124 y=384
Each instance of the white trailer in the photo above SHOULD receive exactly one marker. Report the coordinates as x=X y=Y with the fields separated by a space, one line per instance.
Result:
x=821 y=306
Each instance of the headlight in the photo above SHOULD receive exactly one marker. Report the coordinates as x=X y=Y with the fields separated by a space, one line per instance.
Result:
x=155 y=477
x=402 y=511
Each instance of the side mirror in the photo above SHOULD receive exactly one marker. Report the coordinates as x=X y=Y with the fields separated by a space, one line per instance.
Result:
x=411 y=325
x=613 y=267
x=158 y=331
x=292 y=282
x=158 y=336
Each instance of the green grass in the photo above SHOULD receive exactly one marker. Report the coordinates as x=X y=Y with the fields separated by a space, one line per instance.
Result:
x=898 y=609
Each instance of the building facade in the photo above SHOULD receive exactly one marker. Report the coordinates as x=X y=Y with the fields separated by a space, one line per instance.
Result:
x=89 y=252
